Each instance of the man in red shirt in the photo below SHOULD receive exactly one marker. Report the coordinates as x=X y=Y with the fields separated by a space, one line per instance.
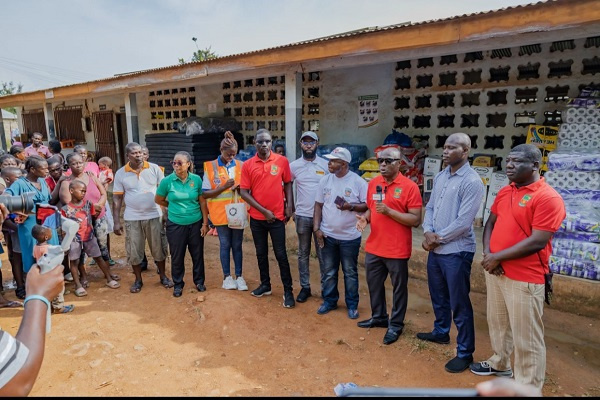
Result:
x=394 y=203
x=266 y=185
x=55 y=171
x=37 y=147
x=517 y=245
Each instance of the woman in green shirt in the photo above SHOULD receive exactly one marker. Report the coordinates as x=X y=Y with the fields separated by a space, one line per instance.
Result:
x=187 y=220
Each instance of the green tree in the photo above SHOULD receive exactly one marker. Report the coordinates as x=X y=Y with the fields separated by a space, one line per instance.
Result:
x=10 y=88
x=200 y=54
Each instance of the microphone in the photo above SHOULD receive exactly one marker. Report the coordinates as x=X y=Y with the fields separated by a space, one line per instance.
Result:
x=379 y=195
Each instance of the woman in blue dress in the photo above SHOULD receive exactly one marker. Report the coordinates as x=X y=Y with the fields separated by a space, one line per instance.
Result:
x=37 y=170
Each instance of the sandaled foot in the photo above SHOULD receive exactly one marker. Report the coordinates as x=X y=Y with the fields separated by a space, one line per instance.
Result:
x=111 y=262
x=115 y=277
x=166 y=282
x=64 y=310
x=11 y=304
x=85 y=283
x=113 y=284
x=81 y=292
x=136 y=287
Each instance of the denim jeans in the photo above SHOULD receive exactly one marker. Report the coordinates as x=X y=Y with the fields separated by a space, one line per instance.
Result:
x=260 y=233
x=449 y=279
x=334 y=252
x=304 y=229
x=230 y=239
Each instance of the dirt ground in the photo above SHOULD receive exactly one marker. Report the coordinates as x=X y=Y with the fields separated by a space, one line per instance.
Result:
x=228 y=343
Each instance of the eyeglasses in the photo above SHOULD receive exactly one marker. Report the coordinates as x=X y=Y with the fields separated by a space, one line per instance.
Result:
x=261 y=142
x=308 y=143
x=386 y=160
x=178 y=163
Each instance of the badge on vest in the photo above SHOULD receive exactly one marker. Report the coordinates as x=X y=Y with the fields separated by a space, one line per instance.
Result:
x=397 y=193
x=274 y=169
x=524 y=200
x=217 y=181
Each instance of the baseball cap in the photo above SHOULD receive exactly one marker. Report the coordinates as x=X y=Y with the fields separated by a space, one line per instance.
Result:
x=339 y=153
x=309 y=134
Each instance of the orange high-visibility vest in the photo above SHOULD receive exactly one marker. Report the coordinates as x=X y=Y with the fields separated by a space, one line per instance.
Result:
x=217 y=176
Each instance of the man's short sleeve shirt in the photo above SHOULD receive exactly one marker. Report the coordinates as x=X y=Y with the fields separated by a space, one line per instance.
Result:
x=264 y=180
x=307 y=175
x=138 y=191
x=520 y=210
x=389 y=238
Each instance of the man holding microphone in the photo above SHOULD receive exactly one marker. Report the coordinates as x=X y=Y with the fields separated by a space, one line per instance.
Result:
x=394 y=207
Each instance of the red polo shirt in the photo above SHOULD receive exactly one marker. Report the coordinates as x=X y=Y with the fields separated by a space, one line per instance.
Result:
x=264 y=181
x=389 y=238
x=519 y=211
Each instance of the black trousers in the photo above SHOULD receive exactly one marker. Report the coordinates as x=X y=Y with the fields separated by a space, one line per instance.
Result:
x=180 y=238
x=377 y=269
x=260 y=233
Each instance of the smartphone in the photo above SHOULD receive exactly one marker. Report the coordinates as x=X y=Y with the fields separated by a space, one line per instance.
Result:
x=339 y=201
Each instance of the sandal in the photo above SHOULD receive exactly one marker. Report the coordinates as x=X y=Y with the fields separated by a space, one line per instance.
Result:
x=113 y=284
x=136 y=287
x=166 y=282
x=20 y=292
x=85 y=284
x=81 y=292
x=64 y=310
x=11 y=304
x=115 y=277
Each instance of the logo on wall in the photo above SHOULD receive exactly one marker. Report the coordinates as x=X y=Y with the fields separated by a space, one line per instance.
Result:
x=368 y=107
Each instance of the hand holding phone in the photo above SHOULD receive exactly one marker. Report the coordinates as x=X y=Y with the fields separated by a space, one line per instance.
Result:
x=339 y=202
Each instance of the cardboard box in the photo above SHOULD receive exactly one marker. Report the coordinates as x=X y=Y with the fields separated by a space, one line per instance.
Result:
x=484 y=160
x=482 y=205
x=427 y=183
x=432 y=166
x=497 y=182
x=485 y=173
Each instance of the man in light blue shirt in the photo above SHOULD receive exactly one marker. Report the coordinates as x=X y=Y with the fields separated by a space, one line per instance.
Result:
x=456 y=197
x=307 y=171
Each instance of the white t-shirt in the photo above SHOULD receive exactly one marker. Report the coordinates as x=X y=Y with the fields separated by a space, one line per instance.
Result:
x=307 y=175
x=138 y=191
x=336 y=223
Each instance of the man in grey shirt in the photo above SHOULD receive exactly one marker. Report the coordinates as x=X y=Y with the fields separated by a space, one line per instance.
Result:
x=449 y=238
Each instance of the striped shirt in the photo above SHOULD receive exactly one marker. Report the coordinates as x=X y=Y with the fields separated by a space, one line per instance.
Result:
x=455 y=200
x=13 y=355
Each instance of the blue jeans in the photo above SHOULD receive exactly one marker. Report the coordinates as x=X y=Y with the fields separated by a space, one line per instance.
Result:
x=334 y=252
x=230 y=239
x=449 y=278
x=304 y=229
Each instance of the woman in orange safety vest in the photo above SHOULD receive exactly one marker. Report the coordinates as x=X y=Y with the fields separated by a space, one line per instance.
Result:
x=221 y=181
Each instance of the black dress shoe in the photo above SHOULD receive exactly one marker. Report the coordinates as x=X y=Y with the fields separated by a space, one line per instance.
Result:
x=391 y=336
x=201 y=287
x=430 y=337
x=177 y=292
x=373 y=323
x=458 y=364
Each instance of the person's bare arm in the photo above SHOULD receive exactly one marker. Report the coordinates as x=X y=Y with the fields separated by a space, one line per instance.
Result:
x=32 y=331
x=64 y=194
x=204 y=209
x=289 y=199
x=212 y=193
x=102 y=191
x=526 y=247
x=317 y=215
x=411 y=218
x=116 y=210
x=161 y=201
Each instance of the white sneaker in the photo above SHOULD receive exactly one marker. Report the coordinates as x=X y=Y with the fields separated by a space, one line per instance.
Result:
x=69 y=277
x=241 y=283
x=229 y=283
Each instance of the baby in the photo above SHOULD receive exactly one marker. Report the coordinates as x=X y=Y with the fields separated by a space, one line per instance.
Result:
x=106 y=174
x=42 y=234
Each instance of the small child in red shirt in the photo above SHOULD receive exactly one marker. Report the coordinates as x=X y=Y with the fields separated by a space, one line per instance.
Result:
x=81 y=211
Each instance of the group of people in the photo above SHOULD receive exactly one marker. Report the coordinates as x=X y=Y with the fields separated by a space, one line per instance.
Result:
x=332 y=208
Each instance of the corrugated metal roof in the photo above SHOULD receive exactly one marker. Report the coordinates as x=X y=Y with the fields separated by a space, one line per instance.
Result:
x=357 y=32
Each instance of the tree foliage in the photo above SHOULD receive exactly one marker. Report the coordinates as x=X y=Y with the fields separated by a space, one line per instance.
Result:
x=200 y=55
x=10 y=88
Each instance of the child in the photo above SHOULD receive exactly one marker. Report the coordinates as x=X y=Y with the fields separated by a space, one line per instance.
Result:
x=42 y=234
x=10 y=228
x=106 y=174
x=81 y=211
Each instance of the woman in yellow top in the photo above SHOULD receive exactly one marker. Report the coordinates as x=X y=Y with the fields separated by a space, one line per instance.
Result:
x=221 y=179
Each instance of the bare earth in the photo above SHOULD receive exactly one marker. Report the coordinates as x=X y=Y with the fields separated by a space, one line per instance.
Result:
x=228 y=343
